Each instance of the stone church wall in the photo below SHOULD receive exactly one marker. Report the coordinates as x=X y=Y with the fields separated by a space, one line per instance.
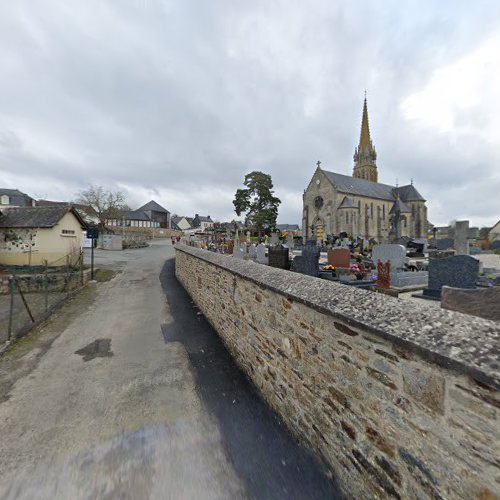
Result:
x=398 y=404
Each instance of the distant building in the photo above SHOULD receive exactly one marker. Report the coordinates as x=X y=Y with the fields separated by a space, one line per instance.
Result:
x=156 y=213
x=288 y=228
x=15 y=198
x=180 y=223
x=359 y=205
x=132 y=218
x=494 y=234
x=202 y=222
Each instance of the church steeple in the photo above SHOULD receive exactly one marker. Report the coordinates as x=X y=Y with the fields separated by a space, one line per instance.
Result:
x=365 y=156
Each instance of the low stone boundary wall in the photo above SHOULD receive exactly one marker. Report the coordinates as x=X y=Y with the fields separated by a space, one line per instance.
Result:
x=400 y=400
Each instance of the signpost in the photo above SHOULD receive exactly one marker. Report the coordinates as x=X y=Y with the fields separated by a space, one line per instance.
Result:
x=92 y=234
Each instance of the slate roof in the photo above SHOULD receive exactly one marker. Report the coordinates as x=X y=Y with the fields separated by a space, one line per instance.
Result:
x=347 y=203
x=287 y=227
x=43 y=217
x=409 y=193
x=134 y=215
x=152 y=206
x=362 y=187
x=17 y=197
x=399 y=205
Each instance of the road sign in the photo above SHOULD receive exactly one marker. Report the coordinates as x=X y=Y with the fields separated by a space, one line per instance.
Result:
x=93 y=233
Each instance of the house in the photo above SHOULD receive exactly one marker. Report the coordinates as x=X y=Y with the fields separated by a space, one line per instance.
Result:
x=34 y=236
x=494 y=234
x=15 y=198
x=156 y=213
x=202 y=222
x=132 y=218
x=180 y=223
x=289 y=228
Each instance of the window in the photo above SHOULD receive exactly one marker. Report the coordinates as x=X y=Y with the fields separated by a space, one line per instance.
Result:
x=5 y=199
x=383 y=212
x=371 y=210
x=67 y=232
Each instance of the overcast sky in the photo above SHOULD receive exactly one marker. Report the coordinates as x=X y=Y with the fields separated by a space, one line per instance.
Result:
x=177 y=100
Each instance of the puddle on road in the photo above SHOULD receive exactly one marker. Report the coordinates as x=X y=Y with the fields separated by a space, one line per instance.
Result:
x=100 y=348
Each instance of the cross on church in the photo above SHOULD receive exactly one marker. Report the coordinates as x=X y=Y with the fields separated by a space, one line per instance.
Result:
x=318 y=163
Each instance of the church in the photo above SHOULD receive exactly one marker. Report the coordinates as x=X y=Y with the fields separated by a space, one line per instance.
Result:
x=359 y=205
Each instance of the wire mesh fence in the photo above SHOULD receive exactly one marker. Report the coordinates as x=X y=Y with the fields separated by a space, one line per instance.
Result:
x=30 y=294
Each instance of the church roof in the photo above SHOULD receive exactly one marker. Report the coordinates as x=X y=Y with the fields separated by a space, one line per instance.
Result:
x=362 y=187
x=347 y=203
x=409 y=193
x=400 y=207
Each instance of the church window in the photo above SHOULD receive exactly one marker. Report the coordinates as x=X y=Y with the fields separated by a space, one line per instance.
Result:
x=359 y=205
x=383 y=212
x=371 y=210
x=346 y=218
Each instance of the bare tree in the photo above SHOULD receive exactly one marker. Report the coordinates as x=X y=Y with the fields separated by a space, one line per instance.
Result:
x=102 y=204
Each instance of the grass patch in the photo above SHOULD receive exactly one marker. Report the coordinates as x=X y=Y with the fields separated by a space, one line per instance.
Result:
x=102 y=275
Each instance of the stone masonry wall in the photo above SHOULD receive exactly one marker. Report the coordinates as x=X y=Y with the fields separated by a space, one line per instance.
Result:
x=399 y=404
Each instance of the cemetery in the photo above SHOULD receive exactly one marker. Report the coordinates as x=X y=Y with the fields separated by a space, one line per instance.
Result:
x=392 y=269
x=387 y=397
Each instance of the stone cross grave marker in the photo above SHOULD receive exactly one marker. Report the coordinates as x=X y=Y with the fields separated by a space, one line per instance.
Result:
x=339 y=257
x=458 y=271
x=461 y=233
x=260 y=256
x=279 y=257
x=395 y=254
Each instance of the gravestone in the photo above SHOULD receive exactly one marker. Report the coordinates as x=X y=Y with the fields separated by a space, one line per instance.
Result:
x=308 y=262
x=230 y=247
x=260 y=255
x=239 y=253
x=459 y=271
x=289 y=241
x=461 y=233
x=339 y=257
x=383 y=274
x=482 y=302
x=252 y=252
x=274 y=239
x=395 y=254
x=279 y=257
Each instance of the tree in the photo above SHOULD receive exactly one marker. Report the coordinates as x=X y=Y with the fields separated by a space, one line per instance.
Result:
x=102 y=204
x=257 y=200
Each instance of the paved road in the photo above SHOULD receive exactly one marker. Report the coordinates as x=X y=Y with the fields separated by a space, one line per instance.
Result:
x=137 y=398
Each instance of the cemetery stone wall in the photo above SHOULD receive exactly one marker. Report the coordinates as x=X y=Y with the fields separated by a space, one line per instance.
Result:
x=398 y=404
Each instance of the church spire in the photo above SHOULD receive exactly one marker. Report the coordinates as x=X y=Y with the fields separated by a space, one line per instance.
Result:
x=365 y=156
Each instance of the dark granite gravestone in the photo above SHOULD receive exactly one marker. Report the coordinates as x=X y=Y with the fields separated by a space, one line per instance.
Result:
x=482 y=302
x=279 y=257
x=308 y=262
x=459 y=271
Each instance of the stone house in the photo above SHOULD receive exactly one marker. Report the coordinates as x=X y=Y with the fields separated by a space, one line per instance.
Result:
x=359 y=205
x=33 y=236
x=202 y=222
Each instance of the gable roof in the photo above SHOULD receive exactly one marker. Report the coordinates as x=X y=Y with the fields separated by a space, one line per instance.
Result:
x=409 y=193
x=42 y=217
x=152 y=206
x=287 y=227
x=17 y=197
x=362 y=187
